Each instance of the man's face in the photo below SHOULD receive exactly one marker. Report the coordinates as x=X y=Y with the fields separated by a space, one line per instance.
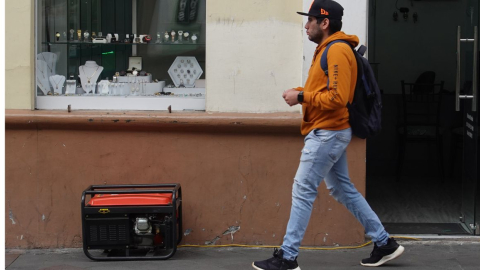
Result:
x=314 y=30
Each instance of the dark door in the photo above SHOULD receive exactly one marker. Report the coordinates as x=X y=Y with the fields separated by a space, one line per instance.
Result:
x=466 y=100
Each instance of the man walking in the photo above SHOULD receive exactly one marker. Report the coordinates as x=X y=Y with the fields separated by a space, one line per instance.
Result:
x=326 y=126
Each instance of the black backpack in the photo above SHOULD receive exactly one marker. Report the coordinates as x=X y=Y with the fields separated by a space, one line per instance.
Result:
x=365 y=110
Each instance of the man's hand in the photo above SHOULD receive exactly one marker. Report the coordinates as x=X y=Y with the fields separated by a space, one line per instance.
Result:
x=291 y=97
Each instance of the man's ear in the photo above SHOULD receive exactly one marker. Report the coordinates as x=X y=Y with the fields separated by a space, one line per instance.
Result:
x=325 y=24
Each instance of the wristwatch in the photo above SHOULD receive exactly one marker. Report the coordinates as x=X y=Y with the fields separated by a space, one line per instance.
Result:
x=300 y=97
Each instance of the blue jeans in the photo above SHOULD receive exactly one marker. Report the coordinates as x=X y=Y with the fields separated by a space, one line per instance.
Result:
x=324 y=157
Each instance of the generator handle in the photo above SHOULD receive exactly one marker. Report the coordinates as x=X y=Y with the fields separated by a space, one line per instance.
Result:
x=93 y=187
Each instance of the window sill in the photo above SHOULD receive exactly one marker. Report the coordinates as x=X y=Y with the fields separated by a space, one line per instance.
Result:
x=154 y=121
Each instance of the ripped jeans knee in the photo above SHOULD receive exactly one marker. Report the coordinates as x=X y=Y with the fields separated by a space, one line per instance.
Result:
x=336 y=195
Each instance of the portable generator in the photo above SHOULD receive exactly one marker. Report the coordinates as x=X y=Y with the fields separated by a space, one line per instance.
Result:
x=131 y=222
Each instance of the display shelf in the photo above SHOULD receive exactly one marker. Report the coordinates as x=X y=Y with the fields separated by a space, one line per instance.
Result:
x=100 y=102
x=124 y=44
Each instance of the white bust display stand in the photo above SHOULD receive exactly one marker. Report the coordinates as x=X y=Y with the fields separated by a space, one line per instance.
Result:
x=89 y=74
x=57 y=82
x=42 y=77
x=51 y=60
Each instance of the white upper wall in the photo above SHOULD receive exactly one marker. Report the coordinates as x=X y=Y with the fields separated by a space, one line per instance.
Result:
x=254 y=52
x=355 y=18
x=19 y=54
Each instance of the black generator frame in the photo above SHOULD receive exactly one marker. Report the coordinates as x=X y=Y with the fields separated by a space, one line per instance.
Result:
x=117 y=211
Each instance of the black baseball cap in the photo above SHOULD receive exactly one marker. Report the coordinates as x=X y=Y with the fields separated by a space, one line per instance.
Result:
x=325 y=9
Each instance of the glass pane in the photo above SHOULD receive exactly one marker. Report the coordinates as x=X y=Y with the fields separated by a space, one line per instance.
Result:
x=469 y=175
x=84 y=43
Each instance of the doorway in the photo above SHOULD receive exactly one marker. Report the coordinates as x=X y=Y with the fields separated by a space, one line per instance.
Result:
x=415 y=186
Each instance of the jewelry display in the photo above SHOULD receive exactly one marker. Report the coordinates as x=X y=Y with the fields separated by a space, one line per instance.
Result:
x=50 y=94
x=115 y=77
x=89 y=74
x=129 y=86
x=167 y=36
x=50 y=59
x=45 y=68
x=89 y=78
x=135 y=62
x=71 y=87
x=184 y=71
x=42 y=76
x=100 y=40
x=41 y=70
x=112 y=88
x=57 y=82
x=89 y=88
x=147 y=39
x=180 y=35
x=103 y=87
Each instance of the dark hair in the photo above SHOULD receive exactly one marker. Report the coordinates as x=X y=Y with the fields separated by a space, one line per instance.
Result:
x=335 y=25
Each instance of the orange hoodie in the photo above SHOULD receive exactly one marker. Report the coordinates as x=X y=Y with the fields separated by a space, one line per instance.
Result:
x=327 y=109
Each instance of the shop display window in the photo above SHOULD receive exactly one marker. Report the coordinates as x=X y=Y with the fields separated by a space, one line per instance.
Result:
x=120 y=54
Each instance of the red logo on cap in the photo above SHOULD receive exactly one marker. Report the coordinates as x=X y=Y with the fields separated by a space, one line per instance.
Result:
x=324 y=12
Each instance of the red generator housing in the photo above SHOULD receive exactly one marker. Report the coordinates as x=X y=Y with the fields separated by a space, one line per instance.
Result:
x=131 y=222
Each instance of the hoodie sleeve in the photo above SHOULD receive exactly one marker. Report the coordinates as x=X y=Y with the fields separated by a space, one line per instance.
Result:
x=339 y=60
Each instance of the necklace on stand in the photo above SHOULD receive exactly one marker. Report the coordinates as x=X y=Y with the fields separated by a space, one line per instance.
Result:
x=89 y=78
x=43 y=74
x=38 y=81
x=56 y=83
x=51 y=68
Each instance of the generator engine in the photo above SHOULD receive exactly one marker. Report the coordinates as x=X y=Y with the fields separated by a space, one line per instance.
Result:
x=149 y=230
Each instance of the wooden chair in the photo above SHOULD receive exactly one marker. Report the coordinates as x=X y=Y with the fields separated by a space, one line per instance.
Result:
x=420 y=119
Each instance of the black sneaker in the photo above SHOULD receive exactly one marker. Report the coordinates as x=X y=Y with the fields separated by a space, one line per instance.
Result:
x=276 y=263
x=383 y=254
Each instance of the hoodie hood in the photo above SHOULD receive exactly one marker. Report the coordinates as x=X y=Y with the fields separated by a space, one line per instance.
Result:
x=352 y=39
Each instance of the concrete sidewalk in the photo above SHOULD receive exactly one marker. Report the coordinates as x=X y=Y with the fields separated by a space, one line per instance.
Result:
x=438 y=254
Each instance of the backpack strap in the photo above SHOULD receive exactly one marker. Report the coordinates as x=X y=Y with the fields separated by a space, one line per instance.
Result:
x=323 y=60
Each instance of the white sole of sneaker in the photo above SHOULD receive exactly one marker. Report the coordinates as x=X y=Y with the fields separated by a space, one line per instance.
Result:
x=254 y=267
x=385 y=259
